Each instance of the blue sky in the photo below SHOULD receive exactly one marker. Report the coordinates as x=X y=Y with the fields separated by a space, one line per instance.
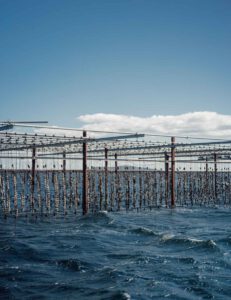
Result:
x=60 y=59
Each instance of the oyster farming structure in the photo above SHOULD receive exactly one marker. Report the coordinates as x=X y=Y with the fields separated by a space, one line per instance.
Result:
x=42 y=173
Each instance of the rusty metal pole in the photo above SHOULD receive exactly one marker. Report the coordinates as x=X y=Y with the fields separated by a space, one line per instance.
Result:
x=206 y=177
x=206 y=168
x=64 y=162
x=166 y=178
x=173 y=154
x=116 y=180
x=215 y=175
x=85 y=181
x=33 y=178
x=116 y=164
x=106 y=179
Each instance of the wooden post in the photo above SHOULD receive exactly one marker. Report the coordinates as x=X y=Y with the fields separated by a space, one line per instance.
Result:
x=33 y=178
x=206 y=168
x=215 y=175
x=116 y=180
x=85 y=181
x=166 y=178
x=173 y=153
x=206 y=178
x=116 y=164
x=64 y=162
x=106 y=179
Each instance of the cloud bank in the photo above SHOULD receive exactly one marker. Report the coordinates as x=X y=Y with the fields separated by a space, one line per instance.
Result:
x=196 y=124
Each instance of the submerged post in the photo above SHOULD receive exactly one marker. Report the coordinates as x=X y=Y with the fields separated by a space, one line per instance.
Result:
x=64 y=162
x=106 y=178
x=173 y=154
x=206 y=176
x=206 y=168
x=215 y=175
x=33 y=178
x=85 y=181
x=116 y=164
x=166 y=178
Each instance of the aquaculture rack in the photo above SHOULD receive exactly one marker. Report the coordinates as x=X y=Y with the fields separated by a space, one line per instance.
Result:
x=42 y=173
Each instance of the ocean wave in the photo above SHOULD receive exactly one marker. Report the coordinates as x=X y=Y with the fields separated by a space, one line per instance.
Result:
x=144 y=231
x=172 y=239
x=72 y=264
x=100 y=216
x=186 y=260
x=24 y=251
x=105 y=294
x=126 y=296
x=167 y=236
x=124 y=256
x=226 y=240
x=139 y=256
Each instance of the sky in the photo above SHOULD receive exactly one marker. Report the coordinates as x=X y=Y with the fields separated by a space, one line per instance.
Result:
x=158 y=65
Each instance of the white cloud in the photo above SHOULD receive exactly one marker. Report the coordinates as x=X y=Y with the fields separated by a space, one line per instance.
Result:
x=197 y=124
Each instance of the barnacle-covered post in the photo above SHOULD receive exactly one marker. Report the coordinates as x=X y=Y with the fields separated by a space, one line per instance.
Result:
x=33 y=178
x=173 y=153
x=206 y=169
x=166 y=178
x=116 y=164
x=64 y=161
x=215 y=175
x=206 y=184
x=106 y=178
x=116 y=179
x=85 y=181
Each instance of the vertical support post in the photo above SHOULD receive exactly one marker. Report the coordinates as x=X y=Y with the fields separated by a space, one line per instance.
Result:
x=106 y=179
x=64 y=162
x=206 y=178
x=215 y=175
x=166 y=178
x=173 y=153
x=85 y=181
x=206 y=168
x=116 y=181
x=33 y=178
x=116 y=164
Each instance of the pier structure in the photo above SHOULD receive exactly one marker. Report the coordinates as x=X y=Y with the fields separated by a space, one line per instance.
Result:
x=45 y=173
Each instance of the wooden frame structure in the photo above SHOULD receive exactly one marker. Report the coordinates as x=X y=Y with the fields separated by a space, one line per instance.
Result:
x=110 y=177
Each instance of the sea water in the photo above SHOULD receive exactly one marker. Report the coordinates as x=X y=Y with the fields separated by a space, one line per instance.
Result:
x=177 y=253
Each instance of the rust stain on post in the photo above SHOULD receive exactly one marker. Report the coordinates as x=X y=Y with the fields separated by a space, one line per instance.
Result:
x=166 y=178
x=85 y=181
x=116 y=164
x=173 y=154
x=215 y=175
x=206 y=168
x=33 y=178
x=64 y=162
x=106 y=178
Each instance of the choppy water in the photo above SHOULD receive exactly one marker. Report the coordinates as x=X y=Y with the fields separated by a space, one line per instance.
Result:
x=174 y=254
